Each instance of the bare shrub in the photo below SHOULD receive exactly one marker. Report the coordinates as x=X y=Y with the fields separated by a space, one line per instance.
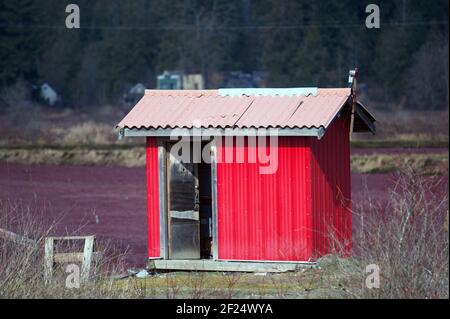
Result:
x=280 y=285
x=231 y=282
x=22 y=270
x=431 y=164
x=409 y=125
x=16 y=96
x=20 y=113
x=197 y=284
x=428 y=77
x=89 y=133
x=172 y=287
x=406 y=238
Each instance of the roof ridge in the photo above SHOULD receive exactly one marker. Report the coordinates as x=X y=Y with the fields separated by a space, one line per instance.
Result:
x=196 y=93
x=293 y=91
x=246 y=92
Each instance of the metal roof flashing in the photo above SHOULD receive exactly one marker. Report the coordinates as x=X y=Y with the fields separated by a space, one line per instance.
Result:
x=211 y=132
x=305 y=91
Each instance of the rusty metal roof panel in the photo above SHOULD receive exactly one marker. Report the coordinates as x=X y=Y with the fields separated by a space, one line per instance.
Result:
x=209 y=109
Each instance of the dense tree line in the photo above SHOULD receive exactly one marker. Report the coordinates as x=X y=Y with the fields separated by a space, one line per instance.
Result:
x=297 y=42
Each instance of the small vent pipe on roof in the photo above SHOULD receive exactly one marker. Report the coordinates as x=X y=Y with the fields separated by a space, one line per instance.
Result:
x=352 y=79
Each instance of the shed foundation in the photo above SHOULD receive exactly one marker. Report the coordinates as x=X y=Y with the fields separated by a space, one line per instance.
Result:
x=240 y=266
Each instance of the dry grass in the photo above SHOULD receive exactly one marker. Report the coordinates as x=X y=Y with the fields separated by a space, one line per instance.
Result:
x=423 y=164
x=409 y=126
x=22 y=271
x=429 y=164
x=126 y=157
x=88 y=133
x=24 y=122
x=27 y=123
x=407 y=237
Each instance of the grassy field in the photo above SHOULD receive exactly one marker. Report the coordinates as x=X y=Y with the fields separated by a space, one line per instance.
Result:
x=401 y=143
x=134 y=156
x=407 y=237
x=88 y=137
x=428 y=164
x=96 y=126
x=333 y=277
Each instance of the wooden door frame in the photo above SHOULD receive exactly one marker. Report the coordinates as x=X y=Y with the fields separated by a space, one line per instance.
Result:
x=163 y=197
x=168 y=221
x=163 y=186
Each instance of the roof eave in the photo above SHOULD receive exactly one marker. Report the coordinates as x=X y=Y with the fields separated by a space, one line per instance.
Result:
x=367 y=118
x=167 y=132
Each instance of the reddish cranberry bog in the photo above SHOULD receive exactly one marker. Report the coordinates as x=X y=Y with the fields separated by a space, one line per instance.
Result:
x=272 y=189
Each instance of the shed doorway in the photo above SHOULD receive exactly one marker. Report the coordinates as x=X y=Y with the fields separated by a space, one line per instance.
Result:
x=189 y=207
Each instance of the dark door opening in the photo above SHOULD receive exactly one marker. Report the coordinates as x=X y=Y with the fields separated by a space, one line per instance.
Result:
x=204 y=176
x=189 y=218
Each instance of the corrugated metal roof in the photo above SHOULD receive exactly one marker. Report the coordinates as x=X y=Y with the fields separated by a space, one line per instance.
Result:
x=183 y=108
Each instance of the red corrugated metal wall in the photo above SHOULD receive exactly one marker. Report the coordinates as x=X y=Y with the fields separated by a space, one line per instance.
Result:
x=331 y=191
x=153 y=244
x=302 y=211
x=265 y=217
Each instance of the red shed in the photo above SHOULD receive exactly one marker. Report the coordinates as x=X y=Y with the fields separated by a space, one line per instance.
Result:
x=247 y=179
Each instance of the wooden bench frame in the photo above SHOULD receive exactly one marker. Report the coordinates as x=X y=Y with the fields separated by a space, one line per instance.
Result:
x=85 y=258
